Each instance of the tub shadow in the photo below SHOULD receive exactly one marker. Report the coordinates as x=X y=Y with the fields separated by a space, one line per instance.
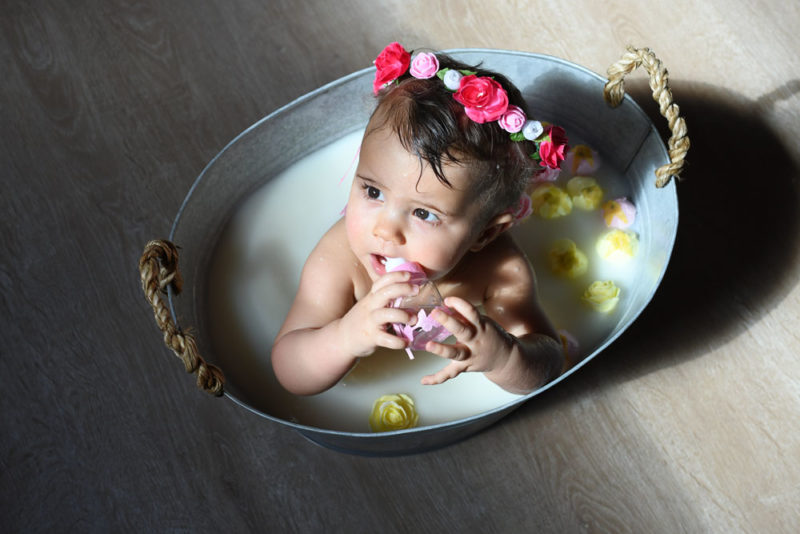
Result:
x=738 y=245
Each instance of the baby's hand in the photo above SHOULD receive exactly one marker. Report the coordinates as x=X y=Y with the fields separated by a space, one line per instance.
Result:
x=364 y=327
x=481 y=344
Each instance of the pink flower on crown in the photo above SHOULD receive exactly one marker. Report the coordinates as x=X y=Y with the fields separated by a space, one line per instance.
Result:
x=484 y=99
x=424 y=66
x=553 y=150
x=391 y=63
x=512 y=120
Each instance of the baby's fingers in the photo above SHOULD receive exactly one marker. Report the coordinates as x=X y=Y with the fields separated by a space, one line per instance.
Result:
x=467 y=310
x=389 y=279
x=390 y=341
x=457 y=351
x=386 y=295
x=384 y=316
x=452 y=370
x=457 y=324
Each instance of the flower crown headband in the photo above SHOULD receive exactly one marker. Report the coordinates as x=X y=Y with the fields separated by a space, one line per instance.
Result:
x=483 y=98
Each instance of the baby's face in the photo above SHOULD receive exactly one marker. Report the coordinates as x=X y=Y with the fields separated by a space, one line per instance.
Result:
x=394 y=211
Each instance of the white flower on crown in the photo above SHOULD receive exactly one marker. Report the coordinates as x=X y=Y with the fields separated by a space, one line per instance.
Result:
x=452 y=79
x=532 y=130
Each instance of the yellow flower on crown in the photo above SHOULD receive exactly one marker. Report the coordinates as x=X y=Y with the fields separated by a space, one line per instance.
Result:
x=566 y=259
x=550 y=201
x=602 y=296
x=393 y=412
x=586 y=193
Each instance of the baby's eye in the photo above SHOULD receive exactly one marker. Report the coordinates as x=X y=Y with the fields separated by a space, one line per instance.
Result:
x=425 y=215
x=373 y=192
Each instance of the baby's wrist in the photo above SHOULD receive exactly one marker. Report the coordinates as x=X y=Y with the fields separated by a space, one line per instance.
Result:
x=527 y=366
x=348 y=343
x=502 y=368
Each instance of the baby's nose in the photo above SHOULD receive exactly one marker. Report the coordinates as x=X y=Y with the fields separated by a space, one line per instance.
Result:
x=389 y=229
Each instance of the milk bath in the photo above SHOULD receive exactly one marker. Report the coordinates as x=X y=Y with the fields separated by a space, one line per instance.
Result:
x=256 y=269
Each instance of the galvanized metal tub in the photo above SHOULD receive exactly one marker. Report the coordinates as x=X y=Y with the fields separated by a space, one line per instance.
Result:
x=565 y=93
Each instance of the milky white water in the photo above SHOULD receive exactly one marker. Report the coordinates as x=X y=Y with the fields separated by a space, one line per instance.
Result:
x=256 y=270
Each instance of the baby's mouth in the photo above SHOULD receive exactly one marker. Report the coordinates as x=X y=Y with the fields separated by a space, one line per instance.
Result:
x=392 y=263
x=386 y=264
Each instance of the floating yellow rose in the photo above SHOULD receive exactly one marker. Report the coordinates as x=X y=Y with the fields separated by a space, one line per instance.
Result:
x=602 y=296
x=617 y=245
x=393 y=412
x=566 y=259
x=586 y=193
x=549 y=201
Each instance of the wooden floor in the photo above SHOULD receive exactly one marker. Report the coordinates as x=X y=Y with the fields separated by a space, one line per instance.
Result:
x=690 y=422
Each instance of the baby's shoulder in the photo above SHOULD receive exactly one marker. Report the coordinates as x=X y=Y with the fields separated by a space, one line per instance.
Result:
x=331 y=259
x=509 y=273
x=502 y=256
x=498 y=267
x=334 y=239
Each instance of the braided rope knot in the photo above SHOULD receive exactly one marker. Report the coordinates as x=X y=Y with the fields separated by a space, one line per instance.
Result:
x=614 y=90
x=158 y=269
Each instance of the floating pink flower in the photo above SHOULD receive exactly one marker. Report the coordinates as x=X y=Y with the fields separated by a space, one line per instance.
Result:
x=484 y=99
x=424 y=66
x=545 y=175
x=570 y=345
x=619 y=213
x=512 y=120
x=522 y=209
x=582 y=160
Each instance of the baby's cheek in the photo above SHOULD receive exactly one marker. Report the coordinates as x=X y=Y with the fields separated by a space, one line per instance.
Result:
x=441 y=257
x=353 y=225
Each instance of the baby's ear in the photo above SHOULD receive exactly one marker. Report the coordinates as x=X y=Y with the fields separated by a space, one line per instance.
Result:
x=496 y=226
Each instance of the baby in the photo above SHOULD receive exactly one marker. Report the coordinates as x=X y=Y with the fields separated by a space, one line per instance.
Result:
x=444 y=164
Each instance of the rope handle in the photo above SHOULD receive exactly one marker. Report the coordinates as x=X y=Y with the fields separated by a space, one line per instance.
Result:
x=614 y=90
x=158 y=268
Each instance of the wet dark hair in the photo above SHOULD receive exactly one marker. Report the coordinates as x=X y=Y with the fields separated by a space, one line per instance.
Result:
x=432 y=125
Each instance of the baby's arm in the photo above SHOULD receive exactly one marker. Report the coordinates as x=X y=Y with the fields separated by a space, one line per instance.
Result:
x=514 y=344
x=326 y=329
